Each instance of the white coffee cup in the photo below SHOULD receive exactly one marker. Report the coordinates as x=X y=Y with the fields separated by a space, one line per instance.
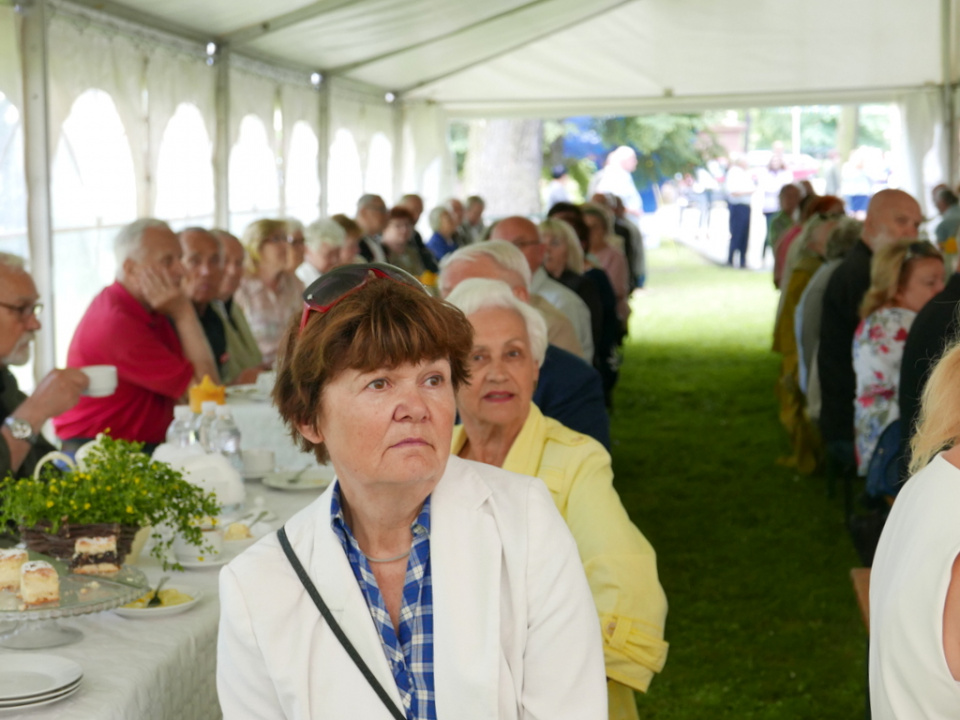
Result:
x=258 y=462
x=103 y=380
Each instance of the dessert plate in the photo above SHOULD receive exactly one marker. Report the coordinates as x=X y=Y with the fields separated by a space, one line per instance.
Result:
x=28 y=677
x=210 y=562
x=162 y=611
x=47 y=700
x=313 y=478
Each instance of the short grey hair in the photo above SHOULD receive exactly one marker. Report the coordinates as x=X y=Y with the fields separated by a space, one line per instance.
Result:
x=477 y=294
x=367 y=200
x=562 y=230
x=324 y=232
x=12 y=262
x=504 y=254
x=130 y=239
x=436 y=214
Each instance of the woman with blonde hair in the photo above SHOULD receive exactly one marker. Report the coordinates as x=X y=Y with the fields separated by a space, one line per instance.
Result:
x=269 y=293
x=904 y=276
x=915 y=580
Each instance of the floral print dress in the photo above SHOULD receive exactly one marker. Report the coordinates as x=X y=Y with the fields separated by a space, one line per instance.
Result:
x=877 y=354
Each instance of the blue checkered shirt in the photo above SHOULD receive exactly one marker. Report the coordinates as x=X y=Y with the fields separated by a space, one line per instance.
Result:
x=411 y=654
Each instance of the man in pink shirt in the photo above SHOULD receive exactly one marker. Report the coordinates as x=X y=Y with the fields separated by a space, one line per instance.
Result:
x=146 y=326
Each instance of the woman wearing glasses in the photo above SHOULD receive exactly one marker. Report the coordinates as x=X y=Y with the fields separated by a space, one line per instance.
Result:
x=904 y=276
x=456 y=584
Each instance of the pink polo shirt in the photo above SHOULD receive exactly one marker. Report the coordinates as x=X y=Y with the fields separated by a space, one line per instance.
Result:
x=152 y=371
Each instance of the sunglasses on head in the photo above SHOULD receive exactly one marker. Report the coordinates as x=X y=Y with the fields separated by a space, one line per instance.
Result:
x=332 y=287
x=921 y=248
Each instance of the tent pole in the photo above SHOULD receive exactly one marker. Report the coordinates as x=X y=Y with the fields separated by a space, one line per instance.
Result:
x=323 y=142
x=36 y=150
x=221 y=153
x=949 y=90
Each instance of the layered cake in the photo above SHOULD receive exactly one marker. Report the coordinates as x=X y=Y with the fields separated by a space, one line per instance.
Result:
x=39 y=583
x=95 y=556
x=10 y=562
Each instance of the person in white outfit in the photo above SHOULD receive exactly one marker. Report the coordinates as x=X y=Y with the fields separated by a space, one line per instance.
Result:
x=915 y=581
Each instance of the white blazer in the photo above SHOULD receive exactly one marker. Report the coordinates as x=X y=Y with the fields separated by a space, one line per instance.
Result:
x=516 y=634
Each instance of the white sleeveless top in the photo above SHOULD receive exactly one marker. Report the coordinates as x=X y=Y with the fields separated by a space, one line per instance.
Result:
x=909 y=677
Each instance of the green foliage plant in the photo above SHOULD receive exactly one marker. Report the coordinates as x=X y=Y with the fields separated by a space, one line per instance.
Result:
x=116 y=484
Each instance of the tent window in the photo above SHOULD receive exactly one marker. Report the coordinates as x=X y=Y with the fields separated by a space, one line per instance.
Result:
x=94 y=194
x=346 y=175
x=13 y=184
x=185 y=171
x=303 y=184
x=380 y=167
x=254 y=186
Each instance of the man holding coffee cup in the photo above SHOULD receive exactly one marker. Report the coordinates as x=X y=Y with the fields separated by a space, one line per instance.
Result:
x=146 y=326
x=21 y=444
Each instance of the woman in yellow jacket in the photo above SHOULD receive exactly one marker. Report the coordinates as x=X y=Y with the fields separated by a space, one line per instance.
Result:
x=502 y=427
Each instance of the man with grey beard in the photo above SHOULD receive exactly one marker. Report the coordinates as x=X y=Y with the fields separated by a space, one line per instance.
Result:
x=892 y=215
x=21 y=444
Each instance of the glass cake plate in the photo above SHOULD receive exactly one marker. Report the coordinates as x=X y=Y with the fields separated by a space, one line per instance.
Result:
x=37 y=627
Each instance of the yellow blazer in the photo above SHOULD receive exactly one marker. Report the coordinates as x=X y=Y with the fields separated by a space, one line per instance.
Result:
x=620 y=563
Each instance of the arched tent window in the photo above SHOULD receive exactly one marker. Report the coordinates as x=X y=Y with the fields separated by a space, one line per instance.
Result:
x=345 y=183
x=254 y=189
x=185 y=171
x=13 y=184
x=303 y=184
x=94 y=194
x=380 y=167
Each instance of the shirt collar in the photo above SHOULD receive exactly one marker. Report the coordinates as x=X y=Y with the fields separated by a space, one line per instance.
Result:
x=418 y=528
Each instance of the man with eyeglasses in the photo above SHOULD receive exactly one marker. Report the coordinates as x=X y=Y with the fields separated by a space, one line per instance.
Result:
x=21 y=444
x=372 y=219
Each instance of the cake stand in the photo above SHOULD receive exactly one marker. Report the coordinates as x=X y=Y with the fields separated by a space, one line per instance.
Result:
x=38 y=627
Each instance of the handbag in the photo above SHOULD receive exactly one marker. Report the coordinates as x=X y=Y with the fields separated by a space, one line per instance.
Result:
x=335 y=626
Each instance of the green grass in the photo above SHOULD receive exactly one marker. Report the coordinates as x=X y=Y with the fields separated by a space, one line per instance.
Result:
x=755 y=561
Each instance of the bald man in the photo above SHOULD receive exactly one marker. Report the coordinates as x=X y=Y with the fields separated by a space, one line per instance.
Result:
x=524 y=235
x=202 y=261
x=892 y=215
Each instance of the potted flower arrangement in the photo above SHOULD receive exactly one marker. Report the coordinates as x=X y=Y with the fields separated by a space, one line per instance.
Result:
x=115 y=490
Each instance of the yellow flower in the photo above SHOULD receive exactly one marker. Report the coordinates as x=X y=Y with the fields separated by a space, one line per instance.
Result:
x=86 y=506
x=49 y=503
x=130 y=509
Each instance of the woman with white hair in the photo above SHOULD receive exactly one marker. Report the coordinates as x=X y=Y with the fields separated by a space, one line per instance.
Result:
x=323 y=243
x=915 y=579
x=502 y=427
x=444 y=226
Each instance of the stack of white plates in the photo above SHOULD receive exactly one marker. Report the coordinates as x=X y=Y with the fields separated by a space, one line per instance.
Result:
x=28 y=681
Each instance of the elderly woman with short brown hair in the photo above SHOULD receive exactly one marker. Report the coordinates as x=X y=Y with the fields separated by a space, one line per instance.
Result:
x=502 y=427
x=269 y=293
x=456 y=584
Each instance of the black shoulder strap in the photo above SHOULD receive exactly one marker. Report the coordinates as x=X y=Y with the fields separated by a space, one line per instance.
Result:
x=335 y=626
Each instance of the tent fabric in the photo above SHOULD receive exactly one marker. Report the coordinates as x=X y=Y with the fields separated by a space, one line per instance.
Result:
x=569 y=56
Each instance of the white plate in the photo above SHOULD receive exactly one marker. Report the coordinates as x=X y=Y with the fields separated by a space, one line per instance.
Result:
x=49 y=701
x=314 y=478
x=24 y=676
x=40 y=698
x=195 y=593
x=247 y=392
x=210 y=562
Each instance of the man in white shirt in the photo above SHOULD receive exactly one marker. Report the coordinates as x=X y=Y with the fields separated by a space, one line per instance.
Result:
x=740 y=189
x=523 y=234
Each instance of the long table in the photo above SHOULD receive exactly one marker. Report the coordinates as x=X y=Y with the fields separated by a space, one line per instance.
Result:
x=154 y=668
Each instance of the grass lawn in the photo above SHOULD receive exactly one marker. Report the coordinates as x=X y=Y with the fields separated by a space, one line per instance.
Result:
x=754 y=559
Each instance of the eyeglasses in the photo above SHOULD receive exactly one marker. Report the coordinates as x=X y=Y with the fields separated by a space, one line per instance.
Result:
x=332 y=287
x=921 y=249
x=25 y=312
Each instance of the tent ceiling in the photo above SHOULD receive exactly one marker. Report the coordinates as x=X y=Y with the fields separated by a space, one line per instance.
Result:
x=491 y=57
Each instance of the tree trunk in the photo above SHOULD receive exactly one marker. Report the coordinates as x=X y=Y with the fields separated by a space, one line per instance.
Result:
x=503 y=166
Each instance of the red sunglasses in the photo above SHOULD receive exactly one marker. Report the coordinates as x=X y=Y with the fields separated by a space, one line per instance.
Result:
x=332 y=287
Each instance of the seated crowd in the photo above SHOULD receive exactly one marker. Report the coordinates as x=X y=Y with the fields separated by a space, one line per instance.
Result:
x=868 y=332
x=548 y=310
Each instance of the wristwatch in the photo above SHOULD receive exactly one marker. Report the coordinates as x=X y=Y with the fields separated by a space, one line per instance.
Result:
x=21 y=429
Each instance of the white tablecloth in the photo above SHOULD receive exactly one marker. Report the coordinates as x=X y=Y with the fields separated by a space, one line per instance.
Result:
x=153 y=669
x=261 y=427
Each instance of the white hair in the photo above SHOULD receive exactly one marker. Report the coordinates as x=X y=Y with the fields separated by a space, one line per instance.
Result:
x=503 y=253
x=477 y=294
x=436 y=215
x=324 y=232
x=130 y=239
x=12 y=262
x=561 y=229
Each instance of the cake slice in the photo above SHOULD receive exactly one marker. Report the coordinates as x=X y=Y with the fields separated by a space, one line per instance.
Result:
x=10 y=561
x=95 y=556
x=39 y=583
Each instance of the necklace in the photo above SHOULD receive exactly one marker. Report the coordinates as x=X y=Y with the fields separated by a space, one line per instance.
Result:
x=385 y=560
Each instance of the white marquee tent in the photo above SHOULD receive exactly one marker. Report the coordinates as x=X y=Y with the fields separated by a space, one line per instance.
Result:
x=233 y=108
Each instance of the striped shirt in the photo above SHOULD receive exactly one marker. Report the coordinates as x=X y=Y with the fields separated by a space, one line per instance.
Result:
x=409 y=652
